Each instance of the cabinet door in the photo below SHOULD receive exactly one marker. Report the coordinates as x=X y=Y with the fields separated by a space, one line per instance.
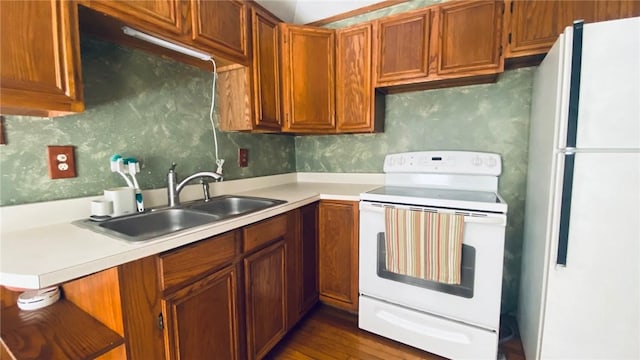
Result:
x=40 y=57
x=222 y=26
x=265 y=293
x=402 y=47
x=154 y=15
x=308 y=266
x=355 y=110
x=308 y=78
x=338 y=258
x=266 y=71
x=533 y=26
x=201 y=319
x=469 y=38
x=616 y=9
x=302 y=262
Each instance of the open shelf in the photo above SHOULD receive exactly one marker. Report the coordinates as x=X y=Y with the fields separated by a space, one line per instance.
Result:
x=58 y=331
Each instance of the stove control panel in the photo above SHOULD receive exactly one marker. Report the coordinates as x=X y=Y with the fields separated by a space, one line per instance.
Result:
x=444 y=162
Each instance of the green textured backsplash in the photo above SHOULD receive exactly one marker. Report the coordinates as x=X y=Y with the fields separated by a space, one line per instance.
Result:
x=137 y=105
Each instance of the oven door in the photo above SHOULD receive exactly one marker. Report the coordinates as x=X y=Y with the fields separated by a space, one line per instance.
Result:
x=475 y=301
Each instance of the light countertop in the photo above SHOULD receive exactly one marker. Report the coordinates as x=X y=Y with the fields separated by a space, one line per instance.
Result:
x=41 y=255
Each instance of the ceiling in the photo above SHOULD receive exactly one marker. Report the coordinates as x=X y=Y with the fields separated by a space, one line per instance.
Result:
x=307 y=11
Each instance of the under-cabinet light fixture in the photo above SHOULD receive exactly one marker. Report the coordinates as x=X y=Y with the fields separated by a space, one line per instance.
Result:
x=165 y=44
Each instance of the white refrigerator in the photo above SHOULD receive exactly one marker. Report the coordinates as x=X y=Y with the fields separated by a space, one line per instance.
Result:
x=580 y=284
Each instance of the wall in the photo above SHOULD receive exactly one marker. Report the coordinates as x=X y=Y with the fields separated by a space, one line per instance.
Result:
x=137 y=105
x=391 y=10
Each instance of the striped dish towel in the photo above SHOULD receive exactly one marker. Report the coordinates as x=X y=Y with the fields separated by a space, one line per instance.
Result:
x=424 y=245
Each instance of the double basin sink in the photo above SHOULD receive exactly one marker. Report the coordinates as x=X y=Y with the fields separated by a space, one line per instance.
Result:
x=159 y=222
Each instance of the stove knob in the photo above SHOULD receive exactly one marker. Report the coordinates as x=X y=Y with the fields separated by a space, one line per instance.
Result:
x=476 y=161
x=490 y=162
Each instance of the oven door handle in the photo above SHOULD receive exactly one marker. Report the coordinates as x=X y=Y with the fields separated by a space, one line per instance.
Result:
x=494 y=219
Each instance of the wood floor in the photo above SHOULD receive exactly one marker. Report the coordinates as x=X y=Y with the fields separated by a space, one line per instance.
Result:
x=327 y=334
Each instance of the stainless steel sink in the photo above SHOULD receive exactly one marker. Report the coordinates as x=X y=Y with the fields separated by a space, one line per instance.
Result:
x=140 y=227
x=227 y=206
x=145 y=226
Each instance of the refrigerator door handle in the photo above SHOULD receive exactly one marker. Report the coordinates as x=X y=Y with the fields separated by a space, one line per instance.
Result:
x=565 y=209
x=572 y=130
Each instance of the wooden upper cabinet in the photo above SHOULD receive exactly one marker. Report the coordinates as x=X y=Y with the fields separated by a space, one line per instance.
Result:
x=535 y=25
x=216 y=27
x=532 y=27
x=308 y=91
x=446 y=44
x=249 y=96
x=355 y=98
x=167 y=15
x=469 y=38
x=40 y=73
x=401 y=47
x=222 y=26
x=266 y=70
x=610 y=10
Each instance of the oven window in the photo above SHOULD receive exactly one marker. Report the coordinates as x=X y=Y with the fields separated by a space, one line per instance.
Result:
x=464 y=289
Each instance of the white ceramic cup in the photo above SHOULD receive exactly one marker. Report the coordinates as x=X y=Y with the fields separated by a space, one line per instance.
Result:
x=101 y=207
x=123 y=198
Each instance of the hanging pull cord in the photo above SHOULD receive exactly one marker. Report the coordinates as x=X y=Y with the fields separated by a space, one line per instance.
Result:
x=219 y=162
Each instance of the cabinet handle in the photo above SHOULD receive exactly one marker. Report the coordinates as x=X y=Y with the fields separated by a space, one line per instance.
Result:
x=160 y=322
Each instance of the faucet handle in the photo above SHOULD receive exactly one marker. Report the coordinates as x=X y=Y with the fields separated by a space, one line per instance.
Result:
x=173 y=167
x=205 y=189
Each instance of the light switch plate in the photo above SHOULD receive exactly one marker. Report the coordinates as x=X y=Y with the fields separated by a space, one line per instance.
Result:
x=243 y=157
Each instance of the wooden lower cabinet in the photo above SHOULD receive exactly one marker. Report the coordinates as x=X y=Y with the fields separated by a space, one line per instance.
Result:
x=201 y=319
x=338 y=248
x=265 y=296
x=308 y=259
x=185 y=303
x=302 y=262
x=230 y=296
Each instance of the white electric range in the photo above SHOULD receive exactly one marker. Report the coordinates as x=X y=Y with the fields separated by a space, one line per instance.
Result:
x=455 y=321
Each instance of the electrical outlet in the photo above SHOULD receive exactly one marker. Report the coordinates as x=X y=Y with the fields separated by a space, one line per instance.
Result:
x=62 y=162
x=243 y=157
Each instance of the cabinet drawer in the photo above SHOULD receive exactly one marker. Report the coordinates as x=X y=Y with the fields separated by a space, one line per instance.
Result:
x=178 y=266
x=264 y=232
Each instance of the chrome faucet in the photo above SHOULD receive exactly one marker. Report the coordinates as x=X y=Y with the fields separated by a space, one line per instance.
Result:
x=174 y=188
